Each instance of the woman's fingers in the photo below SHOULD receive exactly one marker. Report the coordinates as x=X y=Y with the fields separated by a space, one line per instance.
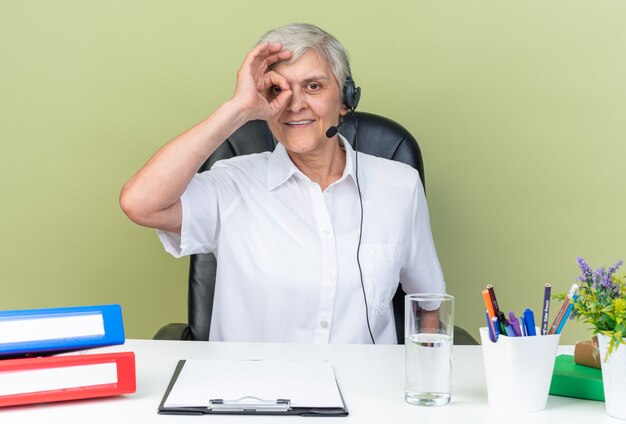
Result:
x=264 y=55
x=265 y=59
x=264 y=93
x=279 y=94
x=271 y=79
x=277 y=57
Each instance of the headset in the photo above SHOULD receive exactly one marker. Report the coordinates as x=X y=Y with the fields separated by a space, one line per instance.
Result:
x=351 y=96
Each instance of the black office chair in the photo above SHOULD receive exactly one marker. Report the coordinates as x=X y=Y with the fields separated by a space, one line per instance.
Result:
x=377 y=136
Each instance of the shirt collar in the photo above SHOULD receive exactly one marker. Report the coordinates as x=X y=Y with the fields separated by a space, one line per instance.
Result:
x=280 y=167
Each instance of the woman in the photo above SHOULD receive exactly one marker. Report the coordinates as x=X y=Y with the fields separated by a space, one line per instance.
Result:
x=285 y=225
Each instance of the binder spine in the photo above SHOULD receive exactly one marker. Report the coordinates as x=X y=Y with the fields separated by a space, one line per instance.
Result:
x=126 y=377
x=22 y=332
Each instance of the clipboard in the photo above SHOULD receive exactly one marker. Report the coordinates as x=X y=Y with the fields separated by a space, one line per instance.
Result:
x=307 y=388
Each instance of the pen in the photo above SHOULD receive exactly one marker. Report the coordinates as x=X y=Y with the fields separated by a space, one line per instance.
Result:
x=503 y=322
x=564 y=306
x=546 y=308
x=509 y=331
x=514 y=324
x=492 y=336
x=505 y=326
x=523 y=325
x=529 y=320
x=496 y=327
x=567 y=313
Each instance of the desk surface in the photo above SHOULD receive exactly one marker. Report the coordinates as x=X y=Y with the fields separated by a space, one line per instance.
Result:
x=371 y=379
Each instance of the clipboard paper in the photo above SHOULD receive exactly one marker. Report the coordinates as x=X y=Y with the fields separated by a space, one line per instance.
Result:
x=253 y=387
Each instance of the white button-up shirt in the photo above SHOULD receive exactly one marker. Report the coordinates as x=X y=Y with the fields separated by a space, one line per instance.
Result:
x=287 y=251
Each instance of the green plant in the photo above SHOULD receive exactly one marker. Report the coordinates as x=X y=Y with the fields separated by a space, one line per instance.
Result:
x=601 y=302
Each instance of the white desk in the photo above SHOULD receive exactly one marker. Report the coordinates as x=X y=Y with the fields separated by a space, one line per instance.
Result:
x=371 y=380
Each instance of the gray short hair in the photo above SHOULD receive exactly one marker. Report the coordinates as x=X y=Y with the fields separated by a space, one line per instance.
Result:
x=300 y=38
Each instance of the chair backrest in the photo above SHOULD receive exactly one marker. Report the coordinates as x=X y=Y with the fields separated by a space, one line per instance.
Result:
x=377 y=136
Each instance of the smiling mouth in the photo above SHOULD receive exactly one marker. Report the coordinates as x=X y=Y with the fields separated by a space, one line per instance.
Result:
x=298 y=123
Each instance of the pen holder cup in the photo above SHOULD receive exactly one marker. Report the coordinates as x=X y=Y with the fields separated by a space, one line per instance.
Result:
x=519 y=370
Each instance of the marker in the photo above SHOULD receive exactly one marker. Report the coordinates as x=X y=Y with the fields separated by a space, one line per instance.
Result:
x=529 y=320
x=515 y=324
x=523 y=325
x=546 y=308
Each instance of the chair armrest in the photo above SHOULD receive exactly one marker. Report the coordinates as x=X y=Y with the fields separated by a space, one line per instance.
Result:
x=173 y=331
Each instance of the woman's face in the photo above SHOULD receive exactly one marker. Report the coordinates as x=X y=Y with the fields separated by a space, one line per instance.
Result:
x=315 y=105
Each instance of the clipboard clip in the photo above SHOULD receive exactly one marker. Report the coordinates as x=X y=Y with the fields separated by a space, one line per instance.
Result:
x=249 y=404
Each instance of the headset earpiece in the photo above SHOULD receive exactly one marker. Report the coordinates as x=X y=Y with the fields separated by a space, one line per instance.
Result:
x=351 y=93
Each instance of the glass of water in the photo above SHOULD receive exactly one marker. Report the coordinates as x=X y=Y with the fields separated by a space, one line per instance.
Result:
x=428 y=333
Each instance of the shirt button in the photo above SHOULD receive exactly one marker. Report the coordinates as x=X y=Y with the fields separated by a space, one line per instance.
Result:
x=331 y=276
x=324 y=324
x=326 y=232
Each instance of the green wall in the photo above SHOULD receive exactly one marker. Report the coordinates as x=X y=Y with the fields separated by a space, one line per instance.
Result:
x=519 y=107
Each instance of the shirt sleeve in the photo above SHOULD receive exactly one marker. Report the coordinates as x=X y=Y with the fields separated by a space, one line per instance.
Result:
x=422 y=271
x=201 y=218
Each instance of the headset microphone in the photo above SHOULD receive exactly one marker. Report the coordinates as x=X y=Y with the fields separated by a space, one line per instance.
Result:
x=332 y=131
x=351 y=96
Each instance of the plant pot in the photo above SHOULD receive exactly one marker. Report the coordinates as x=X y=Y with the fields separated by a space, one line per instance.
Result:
x=613 y=377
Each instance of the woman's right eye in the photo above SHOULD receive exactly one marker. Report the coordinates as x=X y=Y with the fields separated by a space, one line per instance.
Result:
x=275 y=90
